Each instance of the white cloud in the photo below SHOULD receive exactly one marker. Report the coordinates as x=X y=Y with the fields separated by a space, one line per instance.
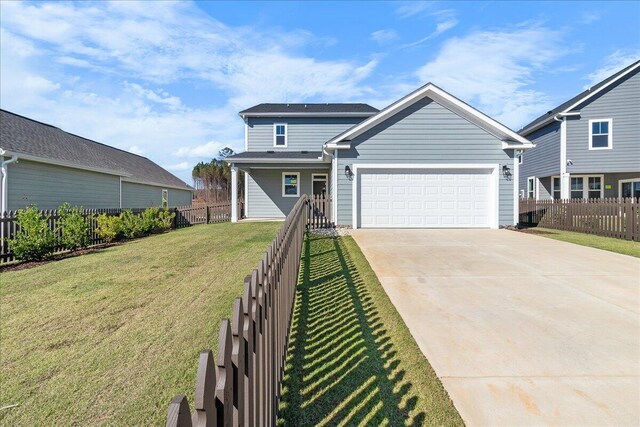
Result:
x=588 y=18
x=179 y=167
x=441 y=27
x=494 y=70
x=411 y=8
x=208 y=150
x=102 y=70
x=612 y=64
x=384 y=36
x=136 y=150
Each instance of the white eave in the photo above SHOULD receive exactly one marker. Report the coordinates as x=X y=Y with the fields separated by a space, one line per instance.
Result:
x=271 y=160
x=569 y=110
x=510 y=139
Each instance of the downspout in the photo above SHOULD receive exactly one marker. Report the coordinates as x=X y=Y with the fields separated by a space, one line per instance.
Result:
x=4 y=170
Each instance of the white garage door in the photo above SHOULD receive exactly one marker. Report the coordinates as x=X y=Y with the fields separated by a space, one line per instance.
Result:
x=425 y=198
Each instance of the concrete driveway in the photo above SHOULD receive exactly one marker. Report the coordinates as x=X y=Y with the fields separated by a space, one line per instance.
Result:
x=521 y=329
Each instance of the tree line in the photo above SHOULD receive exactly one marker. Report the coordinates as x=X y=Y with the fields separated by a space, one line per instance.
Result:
x=212 y=180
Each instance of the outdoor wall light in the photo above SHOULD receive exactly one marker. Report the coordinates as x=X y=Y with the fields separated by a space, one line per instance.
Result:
x=348 y=172
x=506 y=171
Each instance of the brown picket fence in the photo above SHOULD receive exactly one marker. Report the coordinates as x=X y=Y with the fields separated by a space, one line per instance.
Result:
x=242 y=385
x=319 y=212
x=612 y=217
x=186 y=216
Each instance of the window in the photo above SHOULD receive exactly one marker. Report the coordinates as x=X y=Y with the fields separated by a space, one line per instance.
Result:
x=555 y=188
x=600 y=134
x=290 y=184
x=280 y=135
x=165 y=198
x=531 y=187
x=577 y=188
x=629 y=188
x=595 y=187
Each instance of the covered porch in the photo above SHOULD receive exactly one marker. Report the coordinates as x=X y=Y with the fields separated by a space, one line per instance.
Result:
x=275 y=180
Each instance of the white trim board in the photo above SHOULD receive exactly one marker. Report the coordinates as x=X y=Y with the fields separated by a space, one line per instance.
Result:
x=494 y=195
x=510 y=139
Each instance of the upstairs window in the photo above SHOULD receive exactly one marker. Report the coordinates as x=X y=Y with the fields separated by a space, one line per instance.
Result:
x=600 y=134
x=280 y=135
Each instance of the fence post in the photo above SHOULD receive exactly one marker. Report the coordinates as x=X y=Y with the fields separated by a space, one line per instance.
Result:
x=224 y=392
x=205 y=399
x=179 y=415
x=237 y=358
x=249 y=338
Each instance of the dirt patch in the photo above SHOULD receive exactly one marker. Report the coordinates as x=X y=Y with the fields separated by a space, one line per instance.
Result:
x=533 y=231
x=56 y=257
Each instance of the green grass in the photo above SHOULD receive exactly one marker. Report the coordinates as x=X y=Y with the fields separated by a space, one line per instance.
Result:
x=352 y=360
x=111 y=337
x=625 y=247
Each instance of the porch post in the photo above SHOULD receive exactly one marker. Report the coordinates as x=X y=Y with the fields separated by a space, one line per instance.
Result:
x=234 y=194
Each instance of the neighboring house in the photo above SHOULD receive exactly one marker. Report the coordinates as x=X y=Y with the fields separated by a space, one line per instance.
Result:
x=427 y=160
x=46 y=166
x=588 y=147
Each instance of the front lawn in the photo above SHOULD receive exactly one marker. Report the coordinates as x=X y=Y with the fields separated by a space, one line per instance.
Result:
x=352 y=360
x=111 y=337
x=625 y=247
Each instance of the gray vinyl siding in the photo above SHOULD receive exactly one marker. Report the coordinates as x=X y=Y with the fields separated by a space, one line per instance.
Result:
x=425 y=132
x=303 y=133
x=612 y=180
x=265 y=191
x=48 y=186
x=622 y=104
x=544 y=159
x=135 y=195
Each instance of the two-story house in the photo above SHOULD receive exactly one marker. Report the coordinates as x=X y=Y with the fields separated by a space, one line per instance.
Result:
x=588 y=147
x=426 y=160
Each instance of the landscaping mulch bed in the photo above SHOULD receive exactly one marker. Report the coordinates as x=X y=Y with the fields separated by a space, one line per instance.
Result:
x=17 y=265
x=533 y=231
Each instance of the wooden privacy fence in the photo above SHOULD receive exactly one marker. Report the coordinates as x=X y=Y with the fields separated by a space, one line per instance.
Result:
x=320 y=213
x=619 y=218
x=242 y=385
x=185 y=217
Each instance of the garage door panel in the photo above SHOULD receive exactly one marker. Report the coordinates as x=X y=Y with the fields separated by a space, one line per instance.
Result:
x=432 y=198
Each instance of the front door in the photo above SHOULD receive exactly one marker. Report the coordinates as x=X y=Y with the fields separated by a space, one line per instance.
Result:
x=319 y=184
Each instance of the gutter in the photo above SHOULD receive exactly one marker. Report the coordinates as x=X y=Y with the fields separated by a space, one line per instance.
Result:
x=4 y=171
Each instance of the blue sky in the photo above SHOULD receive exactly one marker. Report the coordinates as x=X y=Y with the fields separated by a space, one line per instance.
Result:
x=166 y=80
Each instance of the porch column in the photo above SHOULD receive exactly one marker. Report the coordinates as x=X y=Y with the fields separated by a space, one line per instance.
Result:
x=234 y=194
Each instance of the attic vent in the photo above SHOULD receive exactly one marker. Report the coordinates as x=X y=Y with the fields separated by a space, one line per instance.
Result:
x=304 y=152
x=270 y=151
x=305 y=105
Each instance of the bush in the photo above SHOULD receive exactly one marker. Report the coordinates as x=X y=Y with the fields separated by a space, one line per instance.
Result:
x=74 y=228
x=165 y=219
x=149 y=220
x=131 y=224
x=109 y=227
x=34 y=239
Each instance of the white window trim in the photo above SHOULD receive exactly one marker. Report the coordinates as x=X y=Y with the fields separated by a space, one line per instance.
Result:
x=535 y=187
x=585 y=184
x=493 y=196
x=286 y=135
x=554 y=177
x=297 y=174
x=622 y=181
x=321 y=177
x=609 y=135
x=164 y=190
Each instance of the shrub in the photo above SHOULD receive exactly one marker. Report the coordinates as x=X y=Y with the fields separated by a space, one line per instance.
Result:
x=132 y=226
x=34 y=240
x=109 y=227
x=165 y=219
x=149 y=220
x=74 y=228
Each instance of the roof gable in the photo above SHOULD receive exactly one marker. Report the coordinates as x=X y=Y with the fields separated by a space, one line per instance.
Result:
x=581 y=98
x=509 y=138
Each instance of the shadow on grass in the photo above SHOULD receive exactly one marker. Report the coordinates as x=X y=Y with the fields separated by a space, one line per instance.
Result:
x=342 y=367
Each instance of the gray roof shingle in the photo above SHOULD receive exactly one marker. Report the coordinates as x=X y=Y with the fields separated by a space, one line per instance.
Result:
x=527 y=129
x=29 y=137
x=364 y=109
